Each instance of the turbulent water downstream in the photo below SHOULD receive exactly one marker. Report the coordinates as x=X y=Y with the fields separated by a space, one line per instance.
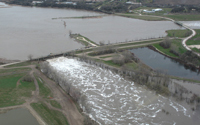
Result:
x=115 y=100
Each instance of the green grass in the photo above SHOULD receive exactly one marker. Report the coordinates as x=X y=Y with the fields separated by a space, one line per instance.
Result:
x=178 y=33
x=176 y=43
x=13 y=71
x=165 y=51
x=83 y=51
x=44 y=90
x=196 y=50
x=132 y=65
x=88 y=40
x=103 y=57
x=55 y=104
x=195 y=40
x=10 y=94
x=142 y=17
x=185 y=17
x=111 y=63
x=126 y=46
x=22 y=64
x=136 y=43
x=51 y=117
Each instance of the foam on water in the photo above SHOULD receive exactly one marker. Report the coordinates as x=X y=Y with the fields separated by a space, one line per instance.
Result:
x=192 y=24
x=115 y=100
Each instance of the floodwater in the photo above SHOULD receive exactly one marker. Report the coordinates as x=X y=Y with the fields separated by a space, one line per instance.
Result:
x=17 y=117
x=114 y=100
x=158 y=61
x=192 y=24
x=32 y=30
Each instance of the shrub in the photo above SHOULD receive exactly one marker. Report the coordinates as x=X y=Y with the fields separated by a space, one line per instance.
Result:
x=166 y=43
x=28 y=78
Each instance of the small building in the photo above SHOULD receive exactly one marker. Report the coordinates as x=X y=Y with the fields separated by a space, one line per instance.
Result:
x=156 y=10
x=68 y=3
x=147 y=11
x=37 y=2
x=133 y=3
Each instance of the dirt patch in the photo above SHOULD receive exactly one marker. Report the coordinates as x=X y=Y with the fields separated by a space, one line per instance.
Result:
x=198 y=38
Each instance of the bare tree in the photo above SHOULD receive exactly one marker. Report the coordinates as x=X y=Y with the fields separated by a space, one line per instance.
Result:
x=30 y=56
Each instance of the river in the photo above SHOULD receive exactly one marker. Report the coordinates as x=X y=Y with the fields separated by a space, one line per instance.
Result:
x=32 y=30
x=115 y=100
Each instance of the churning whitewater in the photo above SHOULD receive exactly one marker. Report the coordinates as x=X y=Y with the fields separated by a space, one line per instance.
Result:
x=114 y=100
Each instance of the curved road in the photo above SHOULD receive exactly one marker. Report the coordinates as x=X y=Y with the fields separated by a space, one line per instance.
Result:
x=185 y=39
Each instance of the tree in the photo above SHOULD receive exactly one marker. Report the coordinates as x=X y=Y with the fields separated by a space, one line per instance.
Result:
x=166 y=43
x=30 y=57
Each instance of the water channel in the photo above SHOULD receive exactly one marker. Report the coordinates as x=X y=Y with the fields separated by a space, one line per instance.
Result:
x=19 y=116
x=158 y=61
x=114 y=100
x=32 y=30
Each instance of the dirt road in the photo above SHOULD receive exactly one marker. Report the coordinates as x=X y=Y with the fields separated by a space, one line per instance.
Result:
x=68 y=107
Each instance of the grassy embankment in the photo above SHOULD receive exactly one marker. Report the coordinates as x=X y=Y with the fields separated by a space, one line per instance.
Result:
x=84 y=40
x=46 y=93
x=16 y=94
x=195 y=41
x=175 y=42
x=11 y=94
x=184 y=17
x=123 y=46
x=141 y=17
x=51 y=117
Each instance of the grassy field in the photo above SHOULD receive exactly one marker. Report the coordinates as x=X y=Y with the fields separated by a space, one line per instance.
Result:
x=80 y=38
x=132 y=65
x=176 y=43
x=111 y=63
x=184 y=17
x=55 y=104
x=22 y=64
x=11 y=94
x=103 y=57
x=13 y=71
x=51 y=117
x=195 y=40
x=136 y=43
x=142 y=17
x=178 y=33
x=45 y=92
x=196 y=50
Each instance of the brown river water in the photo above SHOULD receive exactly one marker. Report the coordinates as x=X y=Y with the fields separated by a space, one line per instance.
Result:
x=31 y=30
x=116 y=101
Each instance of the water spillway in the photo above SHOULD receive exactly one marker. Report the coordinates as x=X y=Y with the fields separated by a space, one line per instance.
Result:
x=115 y=100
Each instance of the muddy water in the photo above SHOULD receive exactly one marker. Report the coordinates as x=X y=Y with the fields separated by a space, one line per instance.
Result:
x=192 y=24
x=17 y=117
x=31 y=30
x=158 y=61
x=114 y=100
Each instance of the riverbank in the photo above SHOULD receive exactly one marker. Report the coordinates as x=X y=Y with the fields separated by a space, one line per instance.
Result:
x=70 y=65
x=40 y=92
x=177 y=49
